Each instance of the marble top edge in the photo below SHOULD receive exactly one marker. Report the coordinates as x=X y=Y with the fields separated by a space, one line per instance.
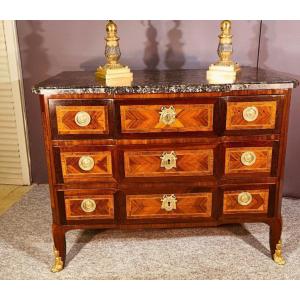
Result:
x=164 y=81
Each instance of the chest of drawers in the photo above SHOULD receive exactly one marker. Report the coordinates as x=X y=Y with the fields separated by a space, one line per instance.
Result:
x=169 y=151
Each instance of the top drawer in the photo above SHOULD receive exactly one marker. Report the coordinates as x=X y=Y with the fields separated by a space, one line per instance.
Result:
x=84 y=118
x=245 y=113
x=166 y=118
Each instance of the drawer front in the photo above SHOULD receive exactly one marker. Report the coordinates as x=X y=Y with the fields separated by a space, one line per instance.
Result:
x=251 y=115
x=246 y=201
x=84 y=207
x=85 y=165
x=240 y=160
x=168 y=205
x=166 y=118
x=169 y=163
x=82 y=119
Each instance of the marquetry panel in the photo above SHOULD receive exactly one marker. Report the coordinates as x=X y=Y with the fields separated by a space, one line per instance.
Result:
x=262 y=115
x=70 y=164
x=97 y=122
x=104 y=207
x=234 y=162
x=146 y=118
x=188 y=163
x=258 y=204
x=150 y=206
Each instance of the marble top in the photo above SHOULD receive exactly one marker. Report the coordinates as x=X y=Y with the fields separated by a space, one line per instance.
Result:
x=165 y=81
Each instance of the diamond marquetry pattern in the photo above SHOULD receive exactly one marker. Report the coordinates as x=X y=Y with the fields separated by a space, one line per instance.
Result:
x=146 y=118
x=265 y=119
x=149 y=206
x=71 y=170
x=188 y=163
x=258 y=204
x=104 y=207
x=233 y=161
x=66 y=120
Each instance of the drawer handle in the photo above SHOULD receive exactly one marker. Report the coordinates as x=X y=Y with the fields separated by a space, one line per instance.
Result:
x=248 y=158
x=167 y=115
x=168 y=202
x=86 y=163
x=250 y=113
x=244 y=198
x=82 y=118
x=88 y=205
x=168 y=160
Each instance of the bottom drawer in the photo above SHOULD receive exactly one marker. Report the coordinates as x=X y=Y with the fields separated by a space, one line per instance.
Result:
x=89 y=206
x=244 y=201
x=168 y=205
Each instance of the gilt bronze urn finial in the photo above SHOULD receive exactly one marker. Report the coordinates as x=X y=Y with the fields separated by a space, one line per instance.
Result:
x=223 y=71
x=114 y=73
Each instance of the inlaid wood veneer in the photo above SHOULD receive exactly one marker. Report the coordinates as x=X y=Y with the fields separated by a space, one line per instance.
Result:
x=104 y=207
x=71 y=170
x=258 y=203
x=66 y=119
x=265 y=118
x=188 y=163
x=150 y=206
x=146 y=118
x=199 y=129
x=234 y=162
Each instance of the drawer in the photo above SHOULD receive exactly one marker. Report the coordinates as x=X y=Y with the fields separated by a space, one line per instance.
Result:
x=81 y=119
x=242 y=160
x=251 y=115
x=85 y=165
x=89 y=206
x=167 y=118
x=169 y=162
x=246 y=201
x=169 y=205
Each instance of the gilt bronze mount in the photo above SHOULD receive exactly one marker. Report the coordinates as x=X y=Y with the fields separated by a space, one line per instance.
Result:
x=223 y=71
x=114 y=73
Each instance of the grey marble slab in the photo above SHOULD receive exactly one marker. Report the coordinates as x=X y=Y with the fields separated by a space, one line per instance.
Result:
x=165 y=81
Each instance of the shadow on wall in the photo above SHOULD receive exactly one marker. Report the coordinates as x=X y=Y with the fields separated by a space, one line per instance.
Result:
x=35 y=67
x=151 y=56
x=174 y=58
x=254 y=41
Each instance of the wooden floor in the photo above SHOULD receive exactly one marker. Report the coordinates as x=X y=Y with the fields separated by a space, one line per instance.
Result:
x=10 y=194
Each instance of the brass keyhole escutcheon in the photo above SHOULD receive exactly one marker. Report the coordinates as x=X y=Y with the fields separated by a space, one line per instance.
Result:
x=82 y=118
x=86 y=163
x=168 y=202
x=168 y=160
x=167 y=115
x=248 y=158
x=250 y=113
x=244 y=198
x=88 y=205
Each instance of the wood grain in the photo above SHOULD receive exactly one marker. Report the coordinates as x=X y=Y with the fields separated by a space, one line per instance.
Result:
x=71 y=170
x=66 y=120
x=146 y=118
x=104 y=207
x=149 y=206
x=214 y=130
x=265 y=120
x=188 y=163
x=259 y=203
x=233 y=163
